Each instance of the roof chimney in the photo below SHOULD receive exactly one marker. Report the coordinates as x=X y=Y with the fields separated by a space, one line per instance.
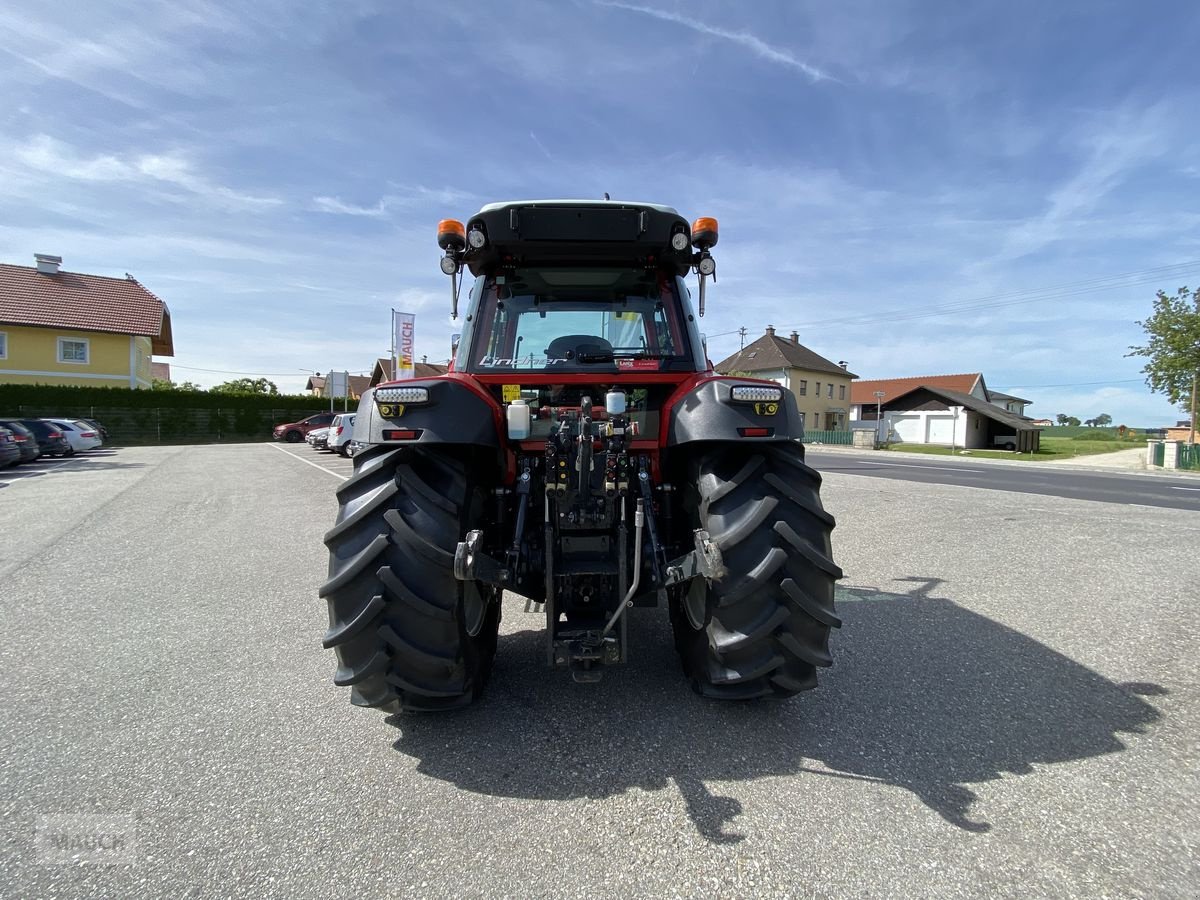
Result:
x=46 y=264
x=843 y=363
x=795 y=336
x=770 y=331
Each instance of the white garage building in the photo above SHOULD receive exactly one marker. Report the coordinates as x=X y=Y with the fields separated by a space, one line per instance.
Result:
x=930 y=415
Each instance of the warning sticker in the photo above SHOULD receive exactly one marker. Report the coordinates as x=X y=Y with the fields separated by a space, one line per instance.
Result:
x=510 y=392
x=766 y=409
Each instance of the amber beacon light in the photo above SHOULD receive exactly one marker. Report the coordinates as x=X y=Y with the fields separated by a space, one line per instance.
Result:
x=704 y=233
x=451 y=234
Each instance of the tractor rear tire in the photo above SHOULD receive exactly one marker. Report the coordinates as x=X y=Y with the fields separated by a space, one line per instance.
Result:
x=408 y=635
x=762 y=629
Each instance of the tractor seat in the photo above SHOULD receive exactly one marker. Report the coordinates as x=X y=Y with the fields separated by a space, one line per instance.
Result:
x=570 y=346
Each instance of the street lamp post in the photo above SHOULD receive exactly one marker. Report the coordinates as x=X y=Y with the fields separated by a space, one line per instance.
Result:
x=879 y=395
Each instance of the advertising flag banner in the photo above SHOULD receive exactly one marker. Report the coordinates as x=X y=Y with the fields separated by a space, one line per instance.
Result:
x=403 y=334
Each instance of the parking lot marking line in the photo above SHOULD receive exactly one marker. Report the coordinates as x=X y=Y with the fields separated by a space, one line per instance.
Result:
x=920 y=466
x=311 y=463
x=11 y=477
x=1183 y=488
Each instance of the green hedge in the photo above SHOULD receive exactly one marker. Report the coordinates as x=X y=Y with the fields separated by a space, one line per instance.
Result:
x=174 y=417
x=12 y=395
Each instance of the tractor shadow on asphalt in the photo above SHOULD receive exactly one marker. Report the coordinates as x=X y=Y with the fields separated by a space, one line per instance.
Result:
x=924 y=695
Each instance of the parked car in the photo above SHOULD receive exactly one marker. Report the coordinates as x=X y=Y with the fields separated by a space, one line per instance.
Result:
x=294 y=432
x=81 y=437
x=10 y=453
x=97 y=427
x=26 y=440
x=318 y=438
x=50 y=439
x=341 y=431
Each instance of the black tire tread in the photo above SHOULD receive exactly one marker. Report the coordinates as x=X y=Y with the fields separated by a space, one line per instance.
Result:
x=395 y=611
x=768 y=620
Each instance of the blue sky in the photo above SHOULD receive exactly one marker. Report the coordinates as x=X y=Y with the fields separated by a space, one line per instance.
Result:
x=917 y=188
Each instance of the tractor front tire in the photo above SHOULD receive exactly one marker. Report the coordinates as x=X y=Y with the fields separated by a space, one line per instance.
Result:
x=408 y=635
x=762 y=629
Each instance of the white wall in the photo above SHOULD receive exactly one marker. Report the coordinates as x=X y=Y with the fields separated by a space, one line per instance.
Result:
x=936 y=426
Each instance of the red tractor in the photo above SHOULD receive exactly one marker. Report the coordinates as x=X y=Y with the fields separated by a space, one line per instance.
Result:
x=583 y=454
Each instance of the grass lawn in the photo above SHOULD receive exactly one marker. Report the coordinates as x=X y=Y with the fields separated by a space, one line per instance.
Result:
x=1051 y=448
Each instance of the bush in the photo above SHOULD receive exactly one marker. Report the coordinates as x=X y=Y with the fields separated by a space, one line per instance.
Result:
x=1095 y=434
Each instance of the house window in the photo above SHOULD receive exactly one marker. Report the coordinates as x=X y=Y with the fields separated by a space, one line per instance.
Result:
x=803 y=388
x=3 y=345
x=841 y=392
x=73 y=350
x=818 y=389
x=830 y=390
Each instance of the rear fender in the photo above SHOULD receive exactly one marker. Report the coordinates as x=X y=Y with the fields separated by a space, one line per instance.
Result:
x=458 y=412
x=707 y=412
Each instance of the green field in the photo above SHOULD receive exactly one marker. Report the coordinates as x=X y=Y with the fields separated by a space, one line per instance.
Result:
x=1051 y=448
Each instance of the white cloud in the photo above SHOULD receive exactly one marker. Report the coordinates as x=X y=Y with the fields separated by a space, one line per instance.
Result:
x=754 y=44
x=54 y=158
x=1113 y=146
x=340 y=207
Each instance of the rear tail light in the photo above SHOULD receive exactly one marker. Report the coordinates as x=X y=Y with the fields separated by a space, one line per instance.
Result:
x=55 y=434
x=402 y=434
x=756 y=432
x=88 y=434
x=339 y=429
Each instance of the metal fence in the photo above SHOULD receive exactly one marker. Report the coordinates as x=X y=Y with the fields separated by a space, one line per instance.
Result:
x=1189 y=456
x=128 y=425
x=828 y=437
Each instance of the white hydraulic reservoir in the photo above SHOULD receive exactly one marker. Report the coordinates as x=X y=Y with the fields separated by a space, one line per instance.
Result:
x=614 y=402
x=518 y=420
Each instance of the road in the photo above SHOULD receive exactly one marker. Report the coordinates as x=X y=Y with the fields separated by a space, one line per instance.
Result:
x=1104 y=486
x=1013 y=712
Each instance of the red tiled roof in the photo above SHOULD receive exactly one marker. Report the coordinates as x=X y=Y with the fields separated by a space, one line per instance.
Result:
x=863 y=392
x=84 y=303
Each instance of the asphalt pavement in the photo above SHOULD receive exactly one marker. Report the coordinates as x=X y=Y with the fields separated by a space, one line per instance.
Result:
x=1181 y=492
x=1012 y=712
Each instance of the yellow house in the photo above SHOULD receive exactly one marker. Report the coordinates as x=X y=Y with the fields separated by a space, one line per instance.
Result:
x=68 y=328
x=821 y=387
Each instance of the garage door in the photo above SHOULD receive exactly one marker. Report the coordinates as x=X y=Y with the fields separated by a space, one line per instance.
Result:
x=908 y=427
x=941 y=429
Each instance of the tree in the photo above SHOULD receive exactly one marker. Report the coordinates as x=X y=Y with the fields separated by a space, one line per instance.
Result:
x=1103 y=419
x=1073 y=421
x=1089 y=423
x=247 y=386
x=162 y=384
x=1173 y=348
x=1062 y=418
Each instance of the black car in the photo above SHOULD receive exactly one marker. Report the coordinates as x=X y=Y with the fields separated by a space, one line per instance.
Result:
x=26 y=442
x=10 y=454
x=49 y=439
x=96 y=426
